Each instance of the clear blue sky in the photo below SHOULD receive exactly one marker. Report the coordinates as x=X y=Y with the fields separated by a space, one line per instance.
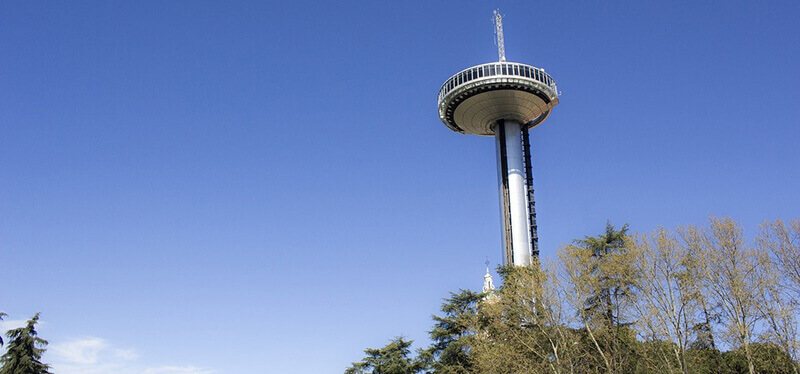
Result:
x=230 y=187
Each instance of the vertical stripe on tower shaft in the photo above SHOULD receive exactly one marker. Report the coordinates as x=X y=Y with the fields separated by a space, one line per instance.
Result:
x=505 y=200
x=526 y=144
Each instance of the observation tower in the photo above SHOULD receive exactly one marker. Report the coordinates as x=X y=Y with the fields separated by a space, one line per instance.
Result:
x=504 y=100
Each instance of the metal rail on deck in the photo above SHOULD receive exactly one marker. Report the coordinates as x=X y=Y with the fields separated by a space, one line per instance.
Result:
x=497 y=69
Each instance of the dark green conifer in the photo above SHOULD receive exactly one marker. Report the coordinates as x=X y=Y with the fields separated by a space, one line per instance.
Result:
x=25 y=350
x=1 y=318
x=449 y=352
x=394 y=358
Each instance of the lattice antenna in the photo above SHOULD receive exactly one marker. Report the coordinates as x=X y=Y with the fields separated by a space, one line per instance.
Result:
x=498 y=30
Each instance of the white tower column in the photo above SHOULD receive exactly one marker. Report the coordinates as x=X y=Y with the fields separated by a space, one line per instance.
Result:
x=513 y=194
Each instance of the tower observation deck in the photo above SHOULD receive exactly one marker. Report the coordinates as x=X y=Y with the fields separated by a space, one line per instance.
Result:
x=504 y=100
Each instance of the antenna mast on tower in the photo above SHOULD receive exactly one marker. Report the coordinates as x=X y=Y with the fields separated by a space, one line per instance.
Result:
x=498 y=30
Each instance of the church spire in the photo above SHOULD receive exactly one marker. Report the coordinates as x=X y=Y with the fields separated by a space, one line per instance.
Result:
x=488 y=282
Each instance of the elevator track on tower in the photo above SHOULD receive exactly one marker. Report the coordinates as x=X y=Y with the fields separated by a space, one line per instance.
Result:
x=526 y=149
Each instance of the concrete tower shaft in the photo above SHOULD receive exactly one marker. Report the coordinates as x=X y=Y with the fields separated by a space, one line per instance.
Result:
x=513 y=188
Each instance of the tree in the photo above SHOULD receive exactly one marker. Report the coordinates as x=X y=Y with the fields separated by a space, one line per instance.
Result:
x=731 y=273
x=784 y=244
x=778 y=297
x=25 y=350
x=613 y=272
x=522 y=330
x=768 y=358
x=779 y=315
x=1 y=318
x=619 y=303
x=705 y=357
x=449 y=352
x=551 y=321
x=602 y=280
x=668 y=302
x=394 y=358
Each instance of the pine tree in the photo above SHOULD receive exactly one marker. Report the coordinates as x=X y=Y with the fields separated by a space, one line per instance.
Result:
x=1 y=318
x=612 y=286
x=394 y=358
x=25 y=350
x=603 y=280
x=449 y=352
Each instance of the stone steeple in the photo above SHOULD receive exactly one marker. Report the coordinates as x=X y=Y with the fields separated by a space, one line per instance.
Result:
x=488 y=282
x=488 y=287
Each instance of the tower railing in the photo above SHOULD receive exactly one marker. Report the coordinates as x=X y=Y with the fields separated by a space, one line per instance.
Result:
x=497 y=69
